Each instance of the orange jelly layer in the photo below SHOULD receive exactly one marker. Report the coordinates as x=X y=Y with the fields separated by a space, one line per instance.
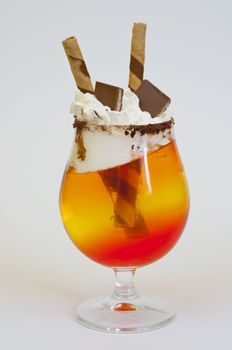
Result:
x=162 y=201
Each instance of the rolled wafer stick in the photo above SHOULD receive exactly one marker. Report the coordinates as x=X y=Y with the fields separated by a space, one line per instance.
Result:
x=137 y=56
x=122 y=183
x=77 y=64
x=126 y=212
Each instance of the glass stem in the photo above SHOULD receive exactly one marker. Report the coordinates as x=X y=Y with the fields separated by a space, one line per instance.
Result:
x=124 y=286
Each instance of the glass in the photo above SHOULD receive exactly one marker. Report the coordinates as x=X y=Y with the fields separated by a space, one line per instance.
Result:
x=124 y=218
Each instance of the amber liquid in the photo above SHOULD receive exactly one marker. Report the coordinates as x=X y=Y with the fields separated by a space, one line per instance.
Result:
x=88 y=209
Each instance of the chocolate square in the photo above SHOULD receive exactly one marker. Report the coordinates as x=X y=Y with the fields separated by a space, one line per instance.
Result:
x=152 y=99
x=109 y=95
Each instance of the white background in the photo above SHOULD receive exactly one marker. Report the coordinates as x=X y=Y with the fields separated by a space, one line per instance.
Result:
x=42 y=275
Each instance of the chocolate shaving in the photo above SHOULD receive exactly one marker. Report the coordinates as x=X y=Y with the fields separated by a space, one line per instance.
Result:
x=97 y=115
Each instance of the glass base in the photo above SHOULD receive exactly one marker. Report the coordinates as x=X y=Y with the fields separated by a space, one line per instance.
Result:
x=113 y=315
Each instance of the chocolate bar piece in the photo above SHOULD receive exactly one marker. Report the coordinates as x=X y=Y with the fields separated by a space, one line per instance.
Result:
x=109 y=95
x=151 y=99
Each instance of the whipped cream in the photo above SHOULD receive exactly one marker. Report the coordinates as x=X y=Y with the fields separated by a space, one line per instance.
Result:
x=112 y=138
x=86 y=107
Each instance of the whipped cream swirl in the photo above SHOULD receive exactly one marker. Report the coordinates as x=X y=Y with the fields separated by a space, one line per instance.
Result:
x=86 y=107
x=111 y=138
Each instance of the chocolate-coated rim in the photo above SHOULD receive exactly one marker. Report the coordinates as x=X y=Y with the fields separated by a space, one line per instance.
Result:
x=128 y=129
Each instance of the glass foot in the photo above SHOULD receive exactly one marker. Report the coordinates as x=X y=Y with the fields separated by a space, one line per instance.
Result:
x=113 y=315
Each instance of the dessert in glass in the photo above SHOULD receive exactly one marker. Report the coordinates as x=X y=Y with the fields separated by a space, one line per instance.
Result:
x=124 y=199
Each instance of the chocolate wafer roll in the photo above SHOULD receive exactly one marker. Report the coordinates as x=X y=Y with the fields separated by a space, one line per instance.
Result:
x=77 y=64
x=137 y=56
x=122 y=183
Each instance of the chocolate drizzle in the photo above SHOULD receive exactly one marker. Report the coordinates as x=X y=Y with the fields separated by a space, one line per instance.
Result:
x=81 y=150
x=79 y=124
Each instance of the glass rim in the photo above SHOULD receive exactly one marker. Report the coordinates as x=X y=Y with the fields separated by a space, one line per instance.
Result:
x=153 y=128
